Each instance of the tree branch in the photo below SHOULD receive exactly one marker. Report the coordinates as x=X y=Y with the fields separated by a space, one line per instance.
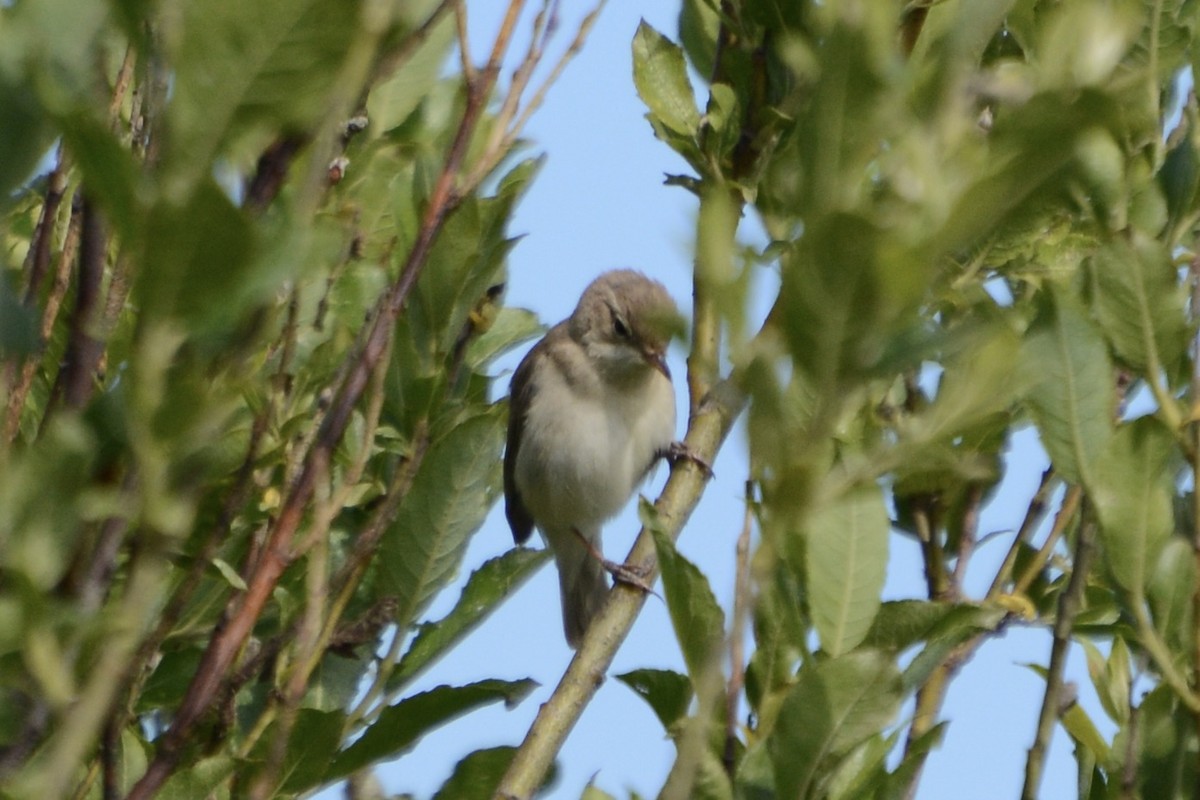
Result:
x=1069 y=603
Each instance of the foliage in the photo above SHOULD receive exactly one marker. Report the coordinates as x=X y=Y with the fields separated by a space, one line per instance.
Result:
x=247 y=317
x=982 y=216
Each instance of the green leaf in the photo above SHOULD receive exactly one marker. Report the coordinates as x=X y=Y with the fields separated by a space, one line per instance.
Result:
x=392 y=100
x=201 y=780
x=1072 y=399
x=835 y=705
x=845 y=566
x=477 y=775
x=1179 y=178
x=1081 y=728
x=237 y=63
x=197 y=258
x=1133 y=490
x=961 y=624
x=667 y=692
x=487 y=587
x=18 y=324
x=456 y=484
x=230 y=574
x=399 y=727
x=25 y=133
x=699 y=25
x=315 y=737
x=1170 y=590
x=660 y=75
x=1139 y=303
x=696 y=616
x=511 y=327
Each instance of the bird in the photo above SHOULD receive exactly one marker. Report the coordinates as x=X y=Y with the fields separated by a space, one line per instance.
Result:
x=591 y=412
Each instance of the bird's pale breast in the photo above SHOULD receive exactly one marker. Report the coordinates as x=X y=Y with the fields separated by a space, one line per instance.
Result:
x=602 y=447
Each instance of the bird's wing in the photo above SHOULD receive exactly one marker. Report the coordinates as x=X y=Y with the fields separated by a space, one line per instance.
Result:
x=519 y=518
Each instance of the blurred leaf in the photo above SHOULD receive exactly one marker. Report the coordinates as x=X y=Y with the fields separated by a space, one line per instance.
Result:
x=843 y=289
x=18 y=324
x=696 y=616
x=1073 y=393
x=1133 y=500
x=487 y=587
x=1085 y=733
x=477 y=775
x=110 y=174
x=200 y=781
x=197 y=258
x=392 y=100
x=399 y=727
x=667 y=692
x=456 y=484
x=273 y=61
x=1170 y=590
x=698 y=26
x=660 y=75
x=25 y=133
x=315 y=738
x=1031 y=150
x=1178 y=177
x=846 y=563
x=1139 y=303
x=963 y=623
x=835 y=705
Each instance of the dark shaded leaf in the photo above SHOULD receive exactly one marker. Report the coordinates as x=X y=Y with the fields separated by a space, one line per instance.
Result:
x=399 y=727
x=667 y=692
x=487 y=587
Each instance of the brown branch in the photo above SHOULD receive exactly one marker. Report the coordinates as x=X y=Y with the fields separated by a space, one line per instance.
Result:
x=1069 y=603
x=271 y=170
x=37 y=259
x=75 y=383
x=62 y=281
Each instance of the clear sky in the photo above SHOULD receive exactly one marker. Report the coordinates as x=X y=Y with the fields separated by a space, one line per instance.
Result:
x=599 y=203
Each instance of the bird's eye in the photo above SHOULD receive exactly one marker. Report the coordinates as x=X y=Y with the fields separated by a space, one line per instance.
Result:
x=619 y=327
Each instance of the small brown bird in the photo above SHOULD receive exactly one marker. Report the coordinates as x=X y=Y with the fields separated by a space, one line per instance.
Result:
x=592 y=409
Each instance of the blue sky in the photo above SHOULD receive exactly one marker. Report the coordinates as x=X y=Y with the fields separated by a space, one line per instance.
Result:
x=599 y=203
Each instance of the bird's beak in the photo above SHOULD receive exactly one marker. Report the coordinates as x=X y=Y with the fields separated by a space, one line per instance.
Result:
x=658 y=360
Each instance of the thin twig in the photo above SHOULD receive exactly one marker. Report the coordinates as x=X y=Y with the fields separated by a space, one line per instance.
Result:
x=742 y=601
x=76 y=380
x=969 y=531
x=1069 y=603
x=1034 y=514
x=62 y=281
x=37 y=259
x=1066 y=513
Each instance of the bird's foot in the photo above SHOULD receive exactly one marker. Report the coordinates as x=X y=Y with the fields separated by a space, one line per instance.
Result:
x=679 y=451
x=628 y=574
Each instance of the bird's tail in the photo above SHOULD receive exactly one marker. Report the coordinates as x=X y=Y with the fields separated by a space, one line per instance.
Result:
x=584 y=585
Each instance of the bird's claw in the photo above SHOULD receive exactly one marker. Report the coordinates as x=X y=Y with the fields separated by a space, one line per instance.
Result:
x=629 y=574
x=679 y=451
